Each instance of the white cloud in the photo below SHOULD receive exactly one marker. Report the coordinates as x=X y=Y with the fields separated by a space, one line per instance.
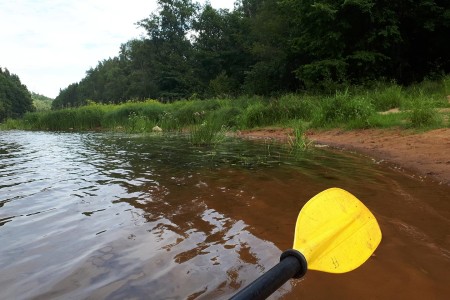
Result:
x=50 y=44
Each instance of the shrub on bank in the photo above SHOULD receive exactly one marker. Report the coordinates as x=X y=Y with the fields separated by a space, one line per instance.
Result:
x=385 y=97
x=423 y=115
x=343 y=108
x=208 y=132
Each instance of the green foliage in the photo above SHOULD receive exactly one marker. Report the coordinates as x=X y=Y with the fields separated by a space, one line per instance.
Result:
x=342 y=108
x=271 y=112
x=11 y=124
x=15 y=99
x=168 y=122
x=220 y=52
x=209 y=132
x=385 y=97
x=299 y=106
x=424 y=115
x=222 y=86
x=254 y=115
x=299 y=141
x=378 y=120
x=324 y=75
x=229 y=116
x=416 y=97
x=138 y=123
x=367 y=39
x=273 y=47
x=41 y=102
x=432 y=88
x=446 y=85
x=350 y=108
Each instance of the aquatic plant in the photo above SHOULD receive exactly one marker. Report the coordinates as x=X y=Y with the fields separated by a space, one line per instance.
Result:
x=138 y=123
x=209 y=132
x=299 y=140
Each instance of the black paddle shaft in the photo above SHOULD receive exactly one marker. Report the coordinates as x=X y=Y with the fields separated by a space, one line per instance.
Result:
x=292 y=265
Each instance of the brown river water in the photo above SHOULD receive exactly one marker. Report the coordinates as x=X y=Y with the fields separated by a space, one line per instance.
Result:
x=116 y=216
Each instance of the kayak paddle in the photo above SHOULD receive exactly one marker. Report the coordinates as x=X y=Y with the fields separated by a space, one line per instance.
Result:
x=334 y=233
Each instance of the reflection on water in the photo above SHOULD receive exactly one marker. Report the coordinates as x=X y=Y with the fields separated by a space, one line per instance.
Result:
x=120 y=216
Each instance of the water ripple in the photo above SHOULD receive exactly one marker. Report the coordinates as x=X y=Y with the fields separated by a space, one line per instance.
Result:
x=124 y=216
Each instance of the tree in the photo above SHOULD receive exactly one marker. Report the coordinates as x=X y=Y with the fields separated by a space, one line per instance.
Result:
x=138 y=57
x=167 y=35
x=41 y=102
x=68 y=97
x=221 y=48
x=270 y=47
x=15 y=99
x=357 y=40
x=271 y=71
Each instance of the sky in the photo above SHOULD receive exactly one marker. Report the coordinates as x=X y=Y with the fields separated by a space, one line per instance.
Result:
x=50 y=44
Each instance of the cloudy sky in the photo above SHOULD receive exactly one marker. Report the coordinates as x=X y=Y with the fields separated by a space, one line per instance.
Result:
x=50 y=44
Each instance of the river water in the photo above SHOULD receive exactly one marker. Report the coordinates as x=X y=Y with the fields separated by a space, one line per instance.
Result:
x=116 y=216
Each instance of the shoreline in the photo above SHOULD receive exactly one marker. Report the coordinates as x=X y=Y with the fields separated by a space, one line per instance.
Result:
x=426 y=154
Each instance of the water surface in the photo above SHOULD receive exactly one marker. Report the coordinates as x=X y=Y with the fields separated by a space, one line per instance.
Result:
x=94 y=216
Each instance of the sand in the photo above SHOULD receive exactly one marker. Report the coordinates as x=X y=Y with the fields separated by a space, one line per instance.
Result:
x=426 y=154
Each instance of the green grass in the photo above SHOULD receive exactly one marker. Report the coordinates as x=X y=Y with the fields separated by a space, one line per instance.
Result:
x=207 y=133
x=380 y=121
x=425 y=116
x=384 y=97
x=353 y=107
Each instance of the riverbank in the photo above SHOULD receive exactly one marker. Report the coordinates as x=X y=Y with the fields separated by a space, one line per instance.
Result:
x=423 y=153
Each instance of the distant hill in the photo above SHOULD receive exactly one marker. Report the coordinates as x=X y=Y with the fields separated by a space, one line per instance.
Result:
x=41 y=102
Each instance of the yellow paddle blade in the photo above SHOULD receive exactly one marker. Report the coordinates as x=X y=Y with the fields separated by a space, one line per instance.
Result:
x=335 y=232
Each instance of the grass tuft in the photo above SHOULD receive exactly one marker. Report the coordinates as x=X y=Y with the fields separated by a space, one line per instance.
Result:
x=299 y=141
x=207 y=133
x=424 y=116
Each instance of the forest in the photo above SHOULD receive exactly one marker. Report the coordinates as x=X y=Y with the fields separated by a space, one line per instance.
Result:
x=15 y=99
x=270 y=48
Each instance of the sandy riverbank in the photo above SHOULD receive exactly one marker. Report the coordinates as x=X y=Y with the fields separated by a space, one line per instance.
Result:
x=426 y=153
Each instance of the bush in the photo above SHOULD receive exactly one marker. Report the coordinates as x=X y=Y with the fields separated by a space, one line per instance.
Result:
x=153 y=111
x=386 y=97
x=343 y=108
x=380 y=121
x=168 y=122
x=288 y=107
x=423 y=115
x=88 y=117
x=228 y=116
x=446 y=84
x=253 y=116
x=298 y=107
x=222 y=86
x=138 y=123
x=208 y=132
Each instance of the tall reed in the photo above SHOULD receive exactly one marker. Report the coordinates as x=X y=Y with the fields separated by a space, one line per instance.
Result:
x=209 y=131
